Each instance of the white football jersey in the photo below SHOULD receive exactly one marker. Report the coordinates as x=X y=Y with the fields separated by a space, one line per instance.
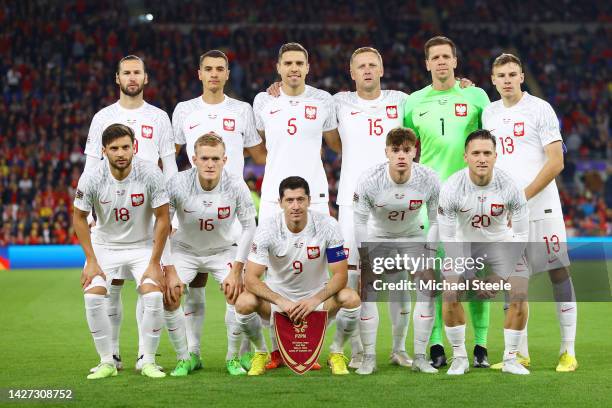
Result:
x=231 y=119
x=522 y=131
x=297 y=263
x=206 y=217
x=363 y=126
x=294 y=127
x=481 y=213
x=394 y=208
x=124 y=208
x=150 y=124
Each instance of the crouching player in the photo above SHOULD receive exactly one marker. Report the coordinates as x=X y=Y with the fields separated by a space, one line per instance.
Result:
x=297 y=246
x=391 y=195
x=126 y=193
x=475 y=205
x=207 y=201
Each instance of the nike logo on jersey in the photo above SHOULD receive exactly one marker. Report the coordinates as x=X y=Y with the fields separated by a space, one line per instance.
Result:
x=423 y=113
x=105 y=202
x=465 y=210
x=273 y=112
x=192 y=126
x=354 y=113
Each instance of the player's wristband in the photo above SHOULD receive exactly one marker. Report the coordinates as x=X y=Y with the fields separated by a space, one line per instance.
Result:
x=335 y=254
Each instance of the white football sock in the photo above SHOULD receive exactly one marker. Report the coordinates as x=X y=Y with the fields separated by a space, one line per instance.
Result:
x=346 y=323
x=194 y=307
x=400 y=320
x=175 y=323
x=115 y=314
x=356 y=340
x=512 y=339
x=567 y=311
x=368 y=326
x=139 y=316
x=251 y=325
x=152 y=323
x=99 y=326
x=245 y=345
x=456 y=337
x=423 y=318
x=234 y=332
x=273 y=342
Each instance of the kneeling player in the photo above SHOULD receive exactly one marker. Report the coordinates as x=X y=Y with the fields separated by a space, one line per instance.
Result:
x=475 y=205
x=207 y=201
x=297 y=246
x=392 y=194
x=126 y=193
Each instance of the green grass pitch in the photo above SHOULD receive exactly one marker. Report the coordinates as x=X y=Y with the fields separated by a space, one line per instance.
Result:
x=45 y=343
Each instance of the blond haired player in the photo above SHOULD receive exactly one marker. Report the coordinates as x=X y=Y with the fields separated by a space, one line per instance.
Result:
x=233 y=121
x=530 y=148
x=153 y=141
x=127 y=194
x=208 y=200
x=300 y=249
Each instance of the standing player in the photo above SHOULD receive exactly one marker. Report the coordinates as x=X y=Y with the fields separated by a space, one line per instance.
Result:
x=531 y=149
x=442 y=116
x=126 y=193
x=475 y=205
x=391 y=196
x=233 y=120
x=208 y=200
x=293 y=125
x=297 y=246
x=153 y=141
x=364 y=117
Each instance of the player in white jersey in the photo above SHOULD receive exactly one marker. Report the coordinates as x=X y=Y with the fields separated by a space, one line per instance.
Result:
x=293 y=125
x=207 y=200
x=153 y=141
x=298 y=246
x=233 y=120
x=531 y=149
x=387 y=203
x=126 y=193
x=474 y=208
x=213 y=111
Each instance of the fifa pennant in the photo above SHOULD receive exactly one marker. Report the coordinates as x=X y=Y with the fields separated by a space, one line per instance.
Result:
x=300 y=344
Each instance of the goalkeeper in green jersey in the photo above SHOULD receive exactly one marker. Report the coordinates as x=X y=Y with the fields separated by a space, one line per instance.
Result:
x=442 y=115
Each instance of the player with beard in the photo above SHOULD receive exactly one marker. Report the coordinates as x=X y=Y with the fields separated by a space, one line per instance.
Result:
x=153 y=141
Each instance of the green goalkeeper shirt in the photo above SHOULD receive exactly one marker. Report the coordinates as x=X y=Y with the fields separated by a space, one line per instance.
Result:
x=442 y=120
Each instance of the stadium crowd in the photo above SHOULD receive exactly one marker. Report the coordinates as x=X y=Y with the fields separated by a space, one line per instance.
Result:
x=58 y=61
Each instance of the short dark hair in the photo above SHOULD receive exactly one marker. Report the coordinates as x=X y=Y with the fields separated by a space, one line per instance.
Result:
x=116 y=131
x=131 y=58
x=214 y=54
x=401 y=135
x=507 y=59
x=482 y=134
x=293 y=183
x=292 y=46
x=439 y=40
